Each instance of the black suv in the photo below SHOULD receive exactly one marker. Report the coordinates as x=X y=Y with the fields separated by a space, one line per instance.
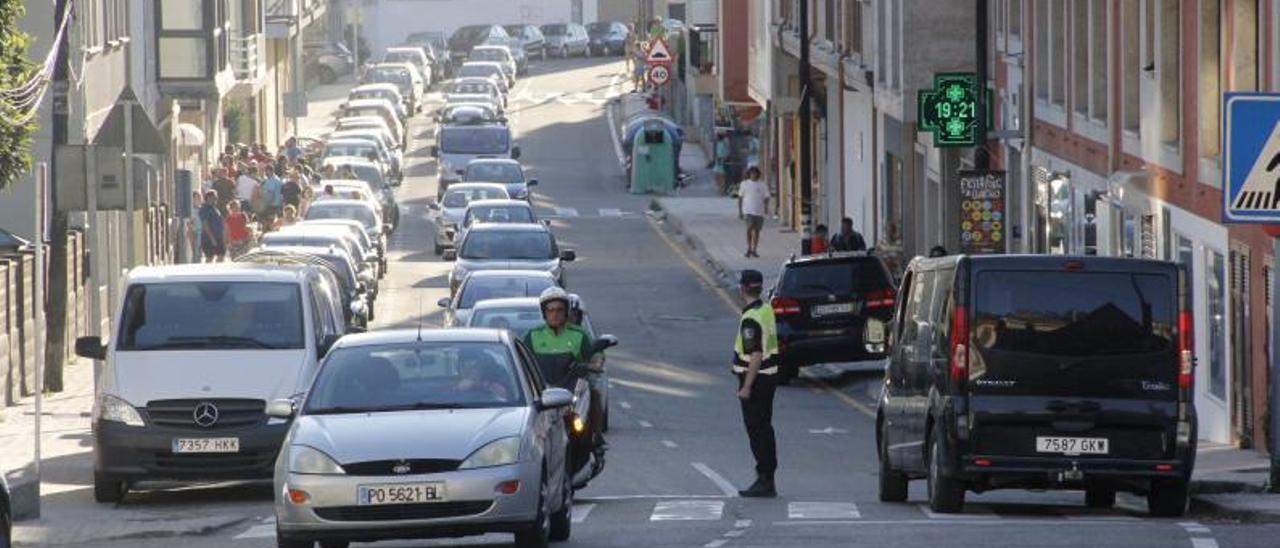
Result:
x=1039 y=372
x=821 y=303
x=466 y=38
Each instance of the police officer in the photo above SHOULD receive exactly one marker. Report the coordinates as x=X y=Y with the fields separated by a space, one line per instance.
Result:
x=754 y=362
x=559 y=345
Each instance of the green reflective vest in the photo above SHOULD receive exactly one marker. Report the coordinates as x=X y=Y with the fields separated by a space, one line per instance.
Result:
x=763 y=316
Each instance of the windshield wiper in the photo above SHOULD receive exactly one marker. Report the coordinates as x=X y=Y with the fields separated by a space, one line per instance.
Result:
x=338 y=410
x=210 y=341
x=425 y=405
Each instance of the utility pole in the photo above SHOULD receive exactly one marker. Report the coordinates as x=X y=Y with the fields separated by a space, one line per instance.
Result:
x=56 y=313
x=981 y=159
x=806 y=140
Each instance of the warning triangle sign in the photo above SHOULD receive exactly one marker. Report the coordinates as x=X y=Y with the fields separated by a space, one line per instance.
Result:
x=659 y=52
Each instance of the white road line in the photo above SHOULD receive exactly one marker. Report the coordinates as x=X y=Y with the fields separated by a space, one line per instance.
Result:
x=624 y=405
x=566 y=212
x=610 y=212
x=265 y=529
x=1195 y=527
x=742 y=523
x=581 y=511
x=735 y=533
x=1201 y=542
x=669 y=444
x=960 y=521
x=724 y=485
x=931 y=515
x=687 y=510
x=604 y=498
x=717 y=543
x=823 y=510
x=646 y=424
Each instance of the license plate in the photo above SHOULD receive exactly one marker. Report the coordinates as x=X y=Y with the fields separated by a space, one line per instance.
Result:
x=1072 y=446
x=829 y=309
x=400 y=493
x=206 y=445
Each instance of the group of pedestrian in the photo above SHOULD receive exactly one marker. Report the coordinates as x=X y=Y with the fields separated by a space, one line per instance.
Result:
x=249 y=191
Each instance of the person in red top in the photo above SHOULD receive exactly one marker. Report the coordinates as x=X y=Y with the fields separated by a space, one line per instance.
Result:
x=818 y=243
x=237 y=230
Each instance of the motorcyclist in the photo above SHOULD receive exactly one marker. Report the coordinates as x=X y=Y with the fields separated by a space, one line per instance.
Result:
x=560 y=345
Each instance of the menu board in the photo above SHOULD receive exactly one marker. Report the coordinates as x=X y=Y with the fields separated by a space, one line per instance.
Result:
x=982 y=212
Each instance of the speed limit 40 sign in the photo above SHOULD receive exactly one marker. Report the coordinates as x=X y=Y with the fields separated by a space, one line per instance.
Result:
x=659 y=75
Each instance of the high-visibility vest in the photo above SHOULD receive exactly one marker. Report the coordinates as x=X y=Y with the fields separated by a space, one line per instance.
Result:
x=763 y=316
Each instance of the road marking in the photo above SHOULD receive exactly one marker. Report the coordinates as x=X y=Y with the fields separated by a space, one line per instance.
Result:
x=581 y=511
x=823 y=510
x=1201 y=542
x=964 y=520
x=742 y=523
x=735 y=533
x=566 y=212
x=670 y=444
x=724 y=485
x=265 y=529
x=646 y=424
x=624 y=405
x=829 y=431
x=1195 y=527
x=610 y=212
x=613 y=498
x=717 y=543
x=615 y=138
x=687 y=510
x=932 y=515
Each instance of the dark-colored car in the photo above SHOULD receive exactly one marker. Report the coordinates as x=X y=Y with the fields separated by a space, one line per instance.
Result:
x=327 y=61
x=607 y=37
x=470 y=36
x=6 y=515
x=530 y=39
x=821 y=303
x=1039 y=372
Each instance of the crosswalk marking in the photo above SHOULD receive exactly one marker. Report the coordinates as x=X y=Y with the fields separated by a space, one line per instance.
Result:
x=566 y=212
x=823 y=510
x=581 y=511
x=687 y=510
x=669 y=444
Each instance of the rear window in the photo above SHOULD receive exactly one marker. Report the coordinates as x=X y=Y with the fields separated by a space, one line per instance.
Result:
x=473 y=140
x=479 y=289
x=230 y=315
x=483 y=71
x=820 y=279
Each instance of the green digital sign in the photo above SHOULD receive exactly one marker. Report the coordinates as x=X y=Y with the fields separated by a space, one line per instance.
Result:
x=949 y=110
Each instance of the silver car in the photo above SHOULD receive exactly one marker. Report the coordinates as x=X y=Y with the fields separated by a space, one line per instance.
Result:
x=496 y=211
x=507 y=247
x=492 y=284
x=448 y=212
x=424 y=433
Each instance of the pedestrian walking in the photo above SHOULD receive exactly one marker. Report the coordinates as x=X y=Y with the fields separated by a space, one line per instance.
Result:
x=755 y=350
x=212 y=242
x=238 y=235
x=272 y=195
x=719 y=162
x=194 y=229
x=224 y=186
x=818 y=243
x=247 y=187
x=753 y=203
x=848 y=239
x=291 y=191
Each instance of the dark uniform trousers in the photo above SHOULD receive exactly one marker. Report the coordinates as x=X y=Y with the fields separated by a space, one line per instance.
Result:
x=757 y=415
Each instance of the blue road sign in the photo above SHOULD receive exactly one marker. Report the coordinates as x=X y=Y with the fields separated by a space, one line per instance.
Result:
x=1251 y=158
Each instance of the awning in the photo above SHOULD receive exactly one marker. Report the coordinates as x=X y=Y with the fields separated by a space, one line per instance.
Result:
x=190 y=135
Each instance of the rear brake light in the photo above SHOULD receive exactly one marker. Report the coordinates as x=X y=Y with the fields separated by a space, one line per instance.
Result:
x=783 y=306
x=981 y=462
x=880 y=299
x=1186 y=348
x=959 y=344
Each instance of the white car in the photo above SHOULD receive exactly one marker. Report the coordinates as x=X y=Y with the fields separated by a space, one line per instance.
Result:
x=495 y=211
x=383 y=139
x=362 y=122
x=474 y=86
x=497 y=54
x=381 y=108
x=486 y=69
x=390 y=92
x=359 y=147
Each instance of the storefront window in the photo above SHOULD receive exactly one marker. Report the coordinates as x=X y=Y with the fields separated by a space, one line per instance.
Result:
x=1216 y=288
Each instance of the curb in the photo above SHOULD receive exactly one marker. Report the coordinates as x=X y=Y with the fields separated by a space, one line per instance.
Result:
x=693 y=243
x=198 y=528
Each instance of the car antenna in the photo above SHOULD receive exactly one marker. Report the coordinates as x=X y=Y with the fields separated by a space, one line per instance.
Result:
x=420 y=316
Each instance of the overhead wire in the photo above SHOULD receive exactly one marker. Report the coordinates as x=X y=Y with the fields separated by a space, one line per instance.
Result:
x=30 y=95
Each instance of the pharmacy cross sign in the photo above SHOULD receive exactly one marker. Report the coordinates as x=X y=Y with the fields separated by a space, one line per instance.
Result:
x=949 y=110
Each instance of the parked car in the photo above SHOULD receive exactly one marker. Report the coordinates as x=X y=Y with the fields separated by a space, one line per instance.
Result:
x=608 y=37
x=497 y=54
x=487 y=69
x=360 y=147
x=458 y=145
x=438 y=41
x=530 y=38
x=360 y=122
x=367 y=215
x=376 y=107
x=183 y=395
x=414 y=56
x=404 y=76
x=492 y=284
x=384 y=140
x=821 y=302
x=474 y=86
x=388 y=91
x=507 y=247
x=356 y=230
x=1039 y=372
x=371 y=173
x=565 y=39
x=367 y=262
x=470 y=36
x=438 y=57
x=505 y=171
x=463 y=423
x=448 y=211
x=327 y=61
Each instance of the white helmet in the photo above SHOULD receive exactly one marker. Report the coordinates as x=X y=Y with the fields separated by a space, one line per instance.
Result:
x=553 y=294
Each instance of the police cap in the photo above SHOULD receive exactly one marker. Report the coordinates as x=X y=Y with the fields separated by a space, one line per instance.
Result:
x=751 y=278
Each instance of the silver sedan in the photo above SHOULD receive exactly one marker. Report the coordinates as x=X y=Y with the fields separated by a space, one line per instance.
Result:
x=420 y=434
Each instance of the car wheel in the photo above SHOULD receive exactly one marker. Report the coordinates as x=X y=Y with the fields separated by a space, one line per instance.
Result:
x=326 y=75
x=538 y=534
x=107 y=490
x=893 y=484
x=282 y=542
x=1168 y=498
x=562 y=520
x=604 y=424
x=439 y=250
x=946 y=495
x=6 y=528
x=1099 y=497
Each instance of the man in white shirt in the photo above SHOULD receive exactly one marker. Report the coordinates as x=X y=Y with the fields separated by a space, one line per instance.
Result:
x=247 y=186
x=753 y=201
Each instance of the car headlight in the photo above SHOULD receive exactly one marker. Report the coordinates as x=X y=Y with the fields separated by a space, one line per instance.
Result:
x=111 y=408
x=499 y=452
x=309 y=460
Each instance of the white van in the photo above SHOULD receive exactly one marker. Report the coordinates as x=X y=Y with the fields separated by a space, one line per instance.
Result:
x=198 y=352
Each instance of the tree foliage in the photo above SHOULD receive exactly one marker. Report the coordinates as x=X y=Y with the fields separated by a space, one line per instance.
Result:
x=15 y=70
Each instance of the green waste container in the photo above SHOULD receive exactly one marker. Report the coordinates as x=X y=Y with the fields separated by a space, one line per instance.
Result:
x=653 y=160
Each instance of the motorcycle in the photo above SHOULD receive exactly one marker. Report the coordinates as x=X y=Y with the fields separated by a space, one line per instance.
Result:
x=586 y=461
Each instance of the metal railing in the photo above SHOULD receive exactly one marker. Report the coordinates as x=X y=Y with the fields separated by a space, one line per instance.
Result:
x=244 y=56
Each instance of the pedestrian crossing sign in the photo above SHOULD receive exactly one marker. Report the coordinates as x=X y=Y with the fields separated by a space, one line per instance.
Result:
x=1251 y=158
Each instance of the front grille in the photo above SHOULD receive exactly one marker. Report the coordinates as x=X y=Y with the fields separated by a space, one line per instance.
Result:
x=1020 y=441
x=394 y=512
x=232 y=413
x=212 y=464
x=386 y=467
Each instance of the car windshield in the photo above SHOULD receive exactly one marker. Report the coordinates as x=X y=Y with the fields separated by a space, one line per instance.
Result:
x=514 y=30
x=373 y=94
x=482 y=288
x=387 y=74
x=349 y=149
x=477 y=88
x=402 y=57
x=554 y=30
x=519 y=320
x=856 y=277
x=365 y=111
x=498 y=214
x=468 y=114
x=276 y=239
x=212 y=316
x=369 y=174
x=415 y=376
x=507 y=245
x=488 y=54
x=460 y=197
x=472 y=140
x=470 y=34
x=599 y=29
x=494 y=172
x=478 y=70
x=321 y=210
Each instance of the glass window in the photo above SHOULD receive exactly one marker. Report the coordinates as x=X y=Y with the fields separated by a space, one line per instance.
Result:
x=460 y=197
x=212 y=316
x=1215 y=282
x=507 y=245
x=183 y=57
x=517 y=320
x=477 y=289
x=839 y=278
x=464 y=140
x=343 y=211
x=498 y=214
x=493 y=172
x=181 y=15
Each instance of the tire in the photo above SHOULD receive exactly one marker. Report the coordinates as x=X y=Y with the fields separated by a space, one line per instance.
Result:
x=282 y=542
x=1100 y=497
x=562 y=519
x=893 y=484
x=107 y=490
x=326 y=75
x=334 y=544
x=946 y=495
x=537 y=534
x=439 y=250
x=604 y=424
x=1168 y=498
x=6 y=528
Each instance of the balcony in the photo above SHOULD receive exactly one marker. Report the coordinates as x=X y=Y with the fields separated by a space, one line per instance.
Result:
x=285 y=17
x=244 y=58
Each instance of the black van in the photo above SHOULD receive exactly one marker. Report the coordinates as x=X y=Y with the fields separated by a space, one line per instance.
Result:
x=1038 y=372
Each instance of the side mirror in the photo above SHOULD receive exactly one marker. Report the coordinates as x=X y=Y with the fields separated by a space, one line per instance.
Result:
x=546 y=222
x=873 y=336
x=531 y=182
x=91 y=347
x=568 y=255
x=281 y=409
x=444 y=303
x=326 y=343
x=604 y=342
x=450 y=255
x=555 y=398
x=515 y=153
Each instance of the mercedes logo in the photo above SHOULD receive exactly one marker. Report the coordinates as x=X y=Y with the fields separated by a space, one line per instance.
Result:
x=205 y=414
x=402 y=467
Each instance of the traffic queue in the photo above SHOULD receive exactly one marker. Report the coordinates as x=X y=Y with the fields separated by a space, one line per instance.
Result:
x=259 y=363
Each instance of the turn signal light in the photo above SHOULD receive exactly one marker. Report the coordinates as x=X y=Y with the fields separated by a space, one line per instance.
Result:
x=579 y=425
x=298 y=496
x=880 y=299
x=1164 y=467
x=507 y=487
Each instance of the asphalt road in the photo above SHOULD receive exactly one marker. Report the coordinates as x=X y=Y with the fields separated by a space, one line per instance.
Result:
x=678 y=450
